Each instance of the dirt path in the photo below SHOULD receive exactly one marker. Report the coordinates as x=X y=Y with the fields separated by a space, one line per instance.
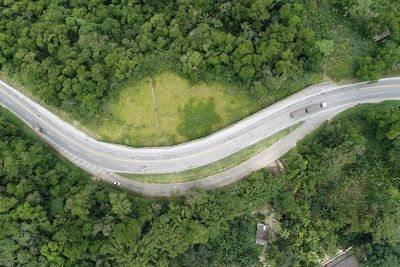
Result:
x=153 y=88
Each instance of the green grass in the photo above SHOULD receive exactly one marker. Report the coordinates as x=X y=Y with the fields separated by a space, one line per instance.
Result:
x=198 y=119
x=131 y=119
x=349 y=45
x=135 y=118
x=213 y=168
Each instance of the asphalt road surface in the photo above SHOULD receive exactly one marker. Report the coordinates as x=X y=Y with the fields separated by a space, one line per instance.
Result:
x=105 y=159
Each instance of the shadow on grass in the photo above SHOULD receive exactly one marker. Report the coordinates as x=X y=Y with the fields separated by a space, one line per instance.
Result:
x=198 y=118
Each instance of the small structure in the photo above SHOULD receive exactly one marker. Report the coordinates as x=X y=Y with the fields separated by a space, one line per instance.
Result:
x=265 y=231
x=280 y=165
x=383 y=35
x=262 y=234
x=276 y=167
x=342 y=259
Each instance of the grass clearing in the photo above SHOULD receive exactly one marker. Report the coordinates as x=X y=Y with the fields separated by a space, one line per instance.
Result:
x=349 y=45
x=132 y=119
x=147 y=113
x=213 y=168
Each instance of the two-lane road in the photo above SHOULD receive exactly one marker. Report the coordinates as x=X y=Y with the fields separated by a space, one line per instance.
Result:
x=116 y=158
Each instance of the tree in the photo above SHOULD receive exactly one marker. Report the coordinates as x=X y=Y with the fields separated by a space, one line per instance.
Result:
x=197 y=256
x=79 y=204
x=193 y=63
x=120 y=204
x=370 y=69
x=325 y=47
x=247 y=72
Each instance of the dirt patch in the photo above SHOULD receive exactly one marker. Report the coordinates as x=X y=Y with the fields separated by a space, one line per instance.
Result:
x=153 y=89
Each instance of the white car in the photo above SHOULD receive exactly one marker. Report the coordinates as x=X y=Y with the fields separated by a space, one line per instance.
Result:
x=116 y=183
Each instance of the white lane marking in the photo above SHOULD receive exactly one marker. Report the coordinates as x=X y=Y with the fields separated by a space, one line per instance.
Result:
x=97 y=160
x=176 y=159
x=8 y=102
x=73 y=148
x=50 y=133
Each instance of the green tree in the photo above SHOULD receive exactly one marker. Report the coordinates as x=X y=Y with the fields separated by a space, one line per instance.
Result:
x=120 y=204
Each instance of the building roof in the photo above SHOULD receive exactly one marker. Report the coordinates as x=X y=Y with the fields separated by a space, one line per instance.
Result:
x=262 y=234
x=383 y=35
x=346 y=259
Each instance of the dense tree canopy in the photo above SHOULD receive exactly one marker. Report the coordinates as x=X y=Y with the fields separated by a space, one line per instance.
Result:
x=341 y=187
x=52 y=214
x=74 y=54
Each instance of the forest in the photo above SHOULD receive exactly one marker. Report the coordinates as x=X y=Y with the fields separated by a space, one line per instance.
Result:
x=76 y=54
x=342 y=182
x=341 y=188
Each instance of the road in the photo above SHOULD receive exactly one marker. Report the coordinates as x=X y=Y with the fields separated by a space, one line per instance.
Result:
x=105 y=159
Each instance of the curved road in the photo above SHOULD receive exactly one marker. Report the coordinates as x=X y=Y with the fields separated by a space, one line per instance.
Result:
x=104 y=159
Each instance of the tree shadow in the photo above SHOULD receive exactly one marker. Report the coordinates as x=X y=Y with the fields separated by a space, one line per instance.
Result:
x=198 y=118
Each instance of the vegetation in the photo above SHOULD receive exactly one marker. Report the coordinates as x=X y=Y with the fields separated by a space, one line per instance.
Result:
x=199 y=119
x=372 y=18
x=52 y=214
x=342 y=182
x=80 y=56
x=341 y=187
x=215 y=167
x=73 y=55
x=346 y=45
x=148 y=112
x=378 y=255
